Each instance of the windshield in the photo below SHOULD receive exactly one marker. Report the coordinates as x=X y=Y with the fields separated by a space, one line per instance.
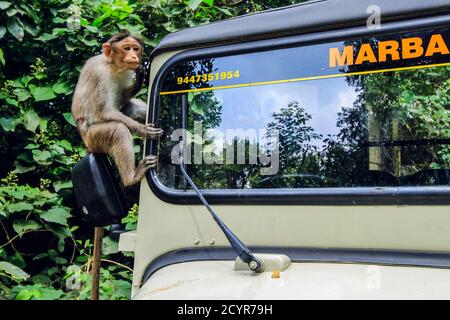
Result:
x=355 y=113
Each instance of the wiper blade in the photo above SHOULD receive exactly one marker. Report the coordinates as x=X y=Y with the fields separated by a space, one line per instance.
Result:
x=255 y=264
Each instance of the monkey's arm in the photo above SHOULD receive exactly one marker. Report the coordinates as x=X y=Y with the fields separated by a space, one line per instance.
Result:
x=143 y=130
x=135 y=109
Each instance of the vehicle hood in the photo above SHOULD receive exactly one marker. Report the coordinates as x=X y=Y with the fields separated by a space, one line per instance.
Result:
x=219 y=280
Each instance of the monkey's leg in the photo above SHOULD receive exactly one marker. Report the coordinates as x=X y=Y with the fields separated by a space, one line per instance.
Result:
x=114 y=139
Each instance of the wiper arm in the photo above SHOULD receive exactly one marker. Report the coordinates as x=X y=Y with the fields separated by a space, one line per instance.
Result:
x=239 y=247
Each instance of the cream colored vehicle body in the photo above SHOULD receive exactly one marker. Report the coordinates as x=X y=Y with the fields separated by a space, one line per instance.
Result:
x=164 y=228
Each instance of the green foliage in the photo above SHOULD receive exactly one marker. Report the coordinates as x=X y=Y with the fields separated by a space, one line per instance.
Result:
x=43 y=46
x=130 y=220
x=295 y=138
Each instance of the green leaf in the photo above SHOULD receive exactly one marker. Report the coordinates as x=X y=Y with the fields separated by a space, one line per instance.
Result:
x=59 y=185
x=61 y=245
x=31 y=120
x=62 y=87
x=409 y=96
x=106 y=15
x=177 y=11
x=190 y=97
x=19 y=168
x=26 y=79
x=57 y=215
x=65 y=144
x=169 y=26
x=2 y=57
x=42 y=157
x=17 y=260
x=58 y=20
x=60 y=260
x=19 y=207
x=69 y=46
x=4 y=5
x=17 y=193
x=25 y=156
x=42 y=93
x=31 y=30
x=24 y=294
x=46 y=37
x=15 y=29
x=92 y=29
x=50 y=294
x=57 y=150
x=193 y=4
x=197 y=109
x=3 y=213
x=122 y=289
x=226 y=11
x=13 y=271
x=84 y=22
x=11 y=12
x=59 y=31
x=90 y=43
x=17 y=83
x=12 y=102
x=8 y=124
x=209 y=2
x=109 y=246
x=22 y=94
x=167 y=12
x=21 y=226
x=40 y=256
x=43 y=125
x=69 y=118
x=2 y=31
x=31 y=146
x=41 y=279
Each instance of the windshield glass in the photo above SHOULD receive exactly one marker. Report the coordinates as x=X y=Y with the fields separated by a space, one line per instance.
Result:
x=354 y=113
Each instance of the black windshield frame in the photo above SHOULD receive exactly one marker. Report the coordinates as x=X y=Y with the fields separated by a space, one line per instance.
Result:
x=438 y=195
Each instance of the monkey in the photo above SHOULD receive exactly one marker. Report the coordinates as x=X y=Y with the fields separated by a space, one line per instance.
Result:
x=105 y=110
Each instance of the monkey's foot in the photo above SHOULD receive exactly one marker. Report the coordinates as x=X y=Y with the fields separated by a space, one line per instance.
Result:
x=143 y=166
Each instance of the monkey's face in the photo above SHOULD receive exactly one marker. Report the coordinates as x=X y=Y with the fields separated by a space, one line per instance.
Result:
x=125 y=54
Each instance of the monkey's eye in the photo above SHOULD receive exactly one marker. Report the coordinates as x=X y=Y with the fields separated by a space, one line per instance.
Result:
x=136 y=49
x=127 y=48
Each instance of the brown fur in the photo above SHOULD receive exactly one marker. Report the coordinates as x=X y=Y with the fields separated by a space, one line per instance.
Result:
x=104 y=110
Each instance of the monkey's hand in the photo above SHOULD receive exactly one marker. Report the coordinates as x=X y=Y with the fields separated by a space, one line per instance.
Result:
x=150 y=131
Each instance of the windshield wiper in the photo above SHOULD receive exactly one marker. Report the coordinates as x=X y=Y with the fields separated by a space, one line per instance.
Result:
x=255 y=264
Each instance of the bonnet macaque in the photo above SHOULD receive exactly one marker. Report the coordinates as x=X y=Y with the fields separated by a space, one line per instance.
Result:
x=104 y=109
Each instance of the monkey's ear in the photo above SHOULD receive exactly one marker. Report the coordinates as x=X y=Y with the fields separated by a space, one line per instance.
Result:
x=107 y=50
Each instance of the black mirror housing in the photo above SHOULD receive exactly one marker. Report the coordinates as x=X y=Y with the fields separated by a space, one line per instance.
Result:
x=97 y=191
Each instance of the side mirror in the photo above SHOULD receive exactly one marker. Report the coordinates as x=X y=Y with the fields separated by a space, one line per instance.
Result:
x=97 y=191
